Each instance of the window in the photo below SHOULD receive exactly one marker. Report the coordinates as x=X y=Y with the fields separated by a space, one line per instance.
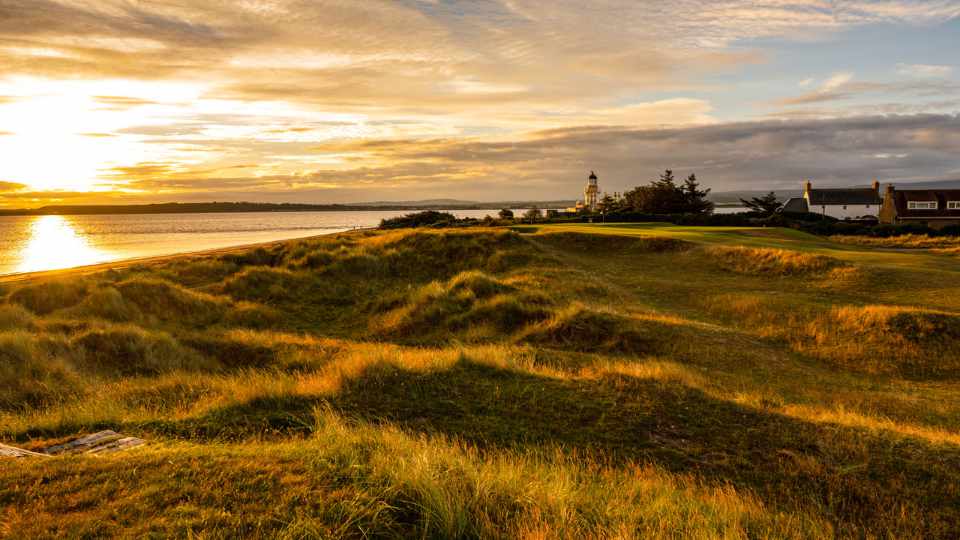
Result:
x=922 y=205
x=953 y=205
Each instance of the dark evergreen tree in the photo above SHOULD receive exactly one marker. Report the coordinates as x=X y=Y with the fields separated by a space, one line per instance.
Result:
x=607 y=204
x=695 y=199
x=765 y=206
x=506 y=213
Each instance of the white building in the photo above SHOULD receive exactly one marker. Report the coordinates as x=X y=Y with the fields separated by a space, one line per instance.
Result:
x=591 y=193
x=843 y=203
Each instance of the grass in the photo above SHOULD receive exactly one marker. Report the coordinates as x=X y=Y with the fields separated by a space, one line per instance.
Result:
x=560 y=381
x=905 y=241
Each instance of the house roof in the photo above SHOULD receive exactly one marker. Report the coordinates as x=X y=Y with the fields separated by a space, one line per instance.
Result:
x=942 y=196
x=795 y=205
x=828 y=196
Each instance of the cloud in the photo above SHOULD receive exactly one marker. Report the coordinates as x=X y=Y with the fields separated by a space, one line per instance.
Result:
x=123 y=102
x=842 y=86
x=924 y=70
x=345 y=97
x=772 y=154
x=7 y=187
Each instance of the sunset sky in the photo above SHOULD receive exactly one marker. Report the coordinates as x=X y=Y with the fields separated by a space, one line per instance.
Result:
x=112 y=101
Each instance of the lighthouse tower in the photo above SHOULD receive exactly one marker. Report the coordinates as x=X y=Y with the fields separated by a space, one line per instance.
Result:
x=591 y=192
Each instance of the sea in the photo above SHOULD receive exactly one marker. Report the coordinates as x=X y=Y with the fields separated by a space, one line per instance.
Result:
x=37 y=243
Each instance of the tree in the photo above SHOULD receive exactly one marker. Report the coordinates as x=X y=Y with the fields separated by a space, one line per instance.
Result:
x=506 y=213
x=607 y=204
x=532 y=214
x=765 y=206
x=695 y=199
x=664 y=196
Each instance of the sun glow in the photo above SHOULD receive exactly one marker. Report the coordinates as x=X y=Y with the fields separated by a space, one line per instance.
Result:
x=67 y=136
x=54 y=243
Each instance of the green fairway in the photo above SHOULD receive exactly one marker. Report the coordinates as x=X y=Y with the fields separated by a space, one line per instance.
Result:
x=583 y=380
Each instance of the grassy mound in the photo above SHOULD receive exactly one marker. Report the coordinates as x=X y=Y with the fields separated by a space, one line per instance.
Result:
x=770 y=262
x=198 y=271
x=13 y=316
x=33 y=372
x=481 y=383
x=47 y=296
x=129 y=350
x=474 y=301
x=611 y=244
x=582 y=329
x=421 y=253
x=263 y=283
x=891 y=339
x=904 y=241
x=169 y=302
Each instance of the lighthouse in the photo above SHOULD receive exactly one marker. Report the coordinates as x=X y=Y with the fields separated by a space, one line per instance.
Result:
x=591 y=192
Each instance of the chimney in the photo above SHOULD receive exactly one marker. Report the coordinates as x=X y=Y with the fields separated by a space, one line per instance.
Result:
x=807 y=186
x=889 y=190
x=876 y=186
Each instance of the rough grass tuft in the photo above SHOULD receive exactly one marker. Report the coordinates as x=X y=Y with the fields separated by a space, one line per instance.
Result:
x=770 y=262
x=168 y=301
x=13 y=316
x=263 y=283
x=583 y=329
x=612 y=244
x=468 y=301
x=32 y=373
x=891 y=339
x=47 y=296
x=129 y=350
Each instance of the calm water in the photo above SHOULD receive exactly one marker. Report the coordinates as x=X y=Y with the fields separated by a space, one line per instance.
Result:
x=34 y=243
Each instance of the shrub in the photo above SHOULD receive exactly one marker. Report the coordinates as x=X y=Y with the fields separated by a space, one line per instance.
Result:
x=428 y=218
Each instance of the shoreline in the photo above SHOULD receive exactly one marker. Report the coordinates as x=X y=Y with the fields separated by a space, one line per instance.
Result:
x=123 y=263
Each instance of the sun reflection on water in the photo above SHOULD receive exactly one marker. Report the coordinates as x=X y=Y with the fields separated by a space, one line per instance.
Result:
x=55 y=244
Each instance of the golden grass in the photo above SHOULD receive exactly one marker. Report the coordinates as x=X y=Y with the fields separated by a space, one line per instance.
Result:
x=770 y=262
x=484 y=383
x=905 y=241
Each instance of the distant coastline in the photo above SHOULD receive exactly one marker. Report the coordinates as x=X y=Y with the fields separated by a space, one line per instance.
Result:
x=238 y=207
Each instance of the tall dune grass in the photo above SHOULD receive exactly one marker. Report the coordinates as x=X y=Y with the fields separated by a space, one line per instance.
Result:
x=485 y=383
x=770 y=262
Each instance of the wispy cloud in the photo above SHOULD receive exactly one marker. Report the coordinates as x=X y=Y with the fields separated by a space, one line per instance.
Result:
x=924 y=70
x=173 y=96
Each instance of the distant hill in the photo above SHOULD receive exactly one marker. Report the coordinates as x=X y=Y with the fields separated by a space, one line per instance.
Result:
x=227 y=207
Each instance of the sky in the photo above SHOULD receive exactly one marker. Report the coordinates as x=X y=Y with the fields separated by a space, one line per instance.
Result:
x=324 y=101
